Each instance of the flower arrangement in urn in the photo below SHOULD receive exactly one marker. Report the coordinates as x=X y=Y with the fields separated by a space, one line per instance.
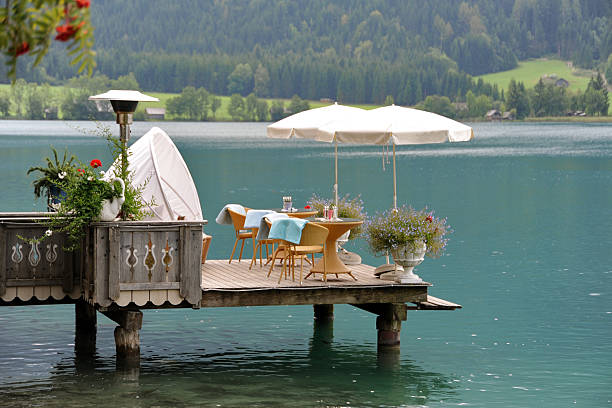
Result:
x=406 y=226
x=409 y=235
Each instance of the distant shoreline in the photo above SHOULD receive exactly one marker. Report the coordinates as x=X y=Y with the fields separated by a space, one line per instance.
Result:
x=548 y=119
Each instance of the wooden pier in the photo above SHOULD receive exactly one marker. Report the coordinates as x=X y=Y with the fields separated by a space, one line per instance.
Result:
x=124 y=267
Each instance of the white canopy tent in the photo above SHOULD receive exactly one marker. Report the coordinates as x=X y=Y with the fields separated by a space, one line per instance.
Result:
x=155 y=160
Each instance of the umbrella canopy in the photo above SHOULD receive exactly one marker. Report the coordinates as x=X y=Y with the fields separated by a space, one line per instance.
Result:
x=306 y=125
x=396 y=125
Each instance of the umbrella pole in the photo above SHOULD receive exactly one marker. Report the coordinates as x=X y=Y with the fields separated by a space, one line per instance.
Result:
x=336 y=165
x=394 y=182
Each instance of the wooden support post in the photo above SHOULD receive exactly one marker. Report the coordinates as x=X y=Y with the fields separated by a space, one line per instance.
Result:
x=388 y=322
x=86 y=324
x=389 y=325
x=127 y=335
x=323 y=312
x=323 y=328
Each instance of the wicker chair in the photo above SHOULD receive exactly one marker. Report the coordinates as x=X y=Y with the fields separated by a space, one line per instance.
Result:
x=241 y=233
x=312 y=242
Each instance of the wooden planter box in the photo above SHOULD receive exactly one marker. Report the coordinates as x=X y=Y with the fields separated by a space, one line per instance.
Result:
x=143 y=262
x=39 y=270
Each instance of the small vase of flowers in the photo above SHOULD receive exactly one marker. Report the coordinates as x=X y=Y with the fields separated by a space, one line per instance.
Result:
x=347 y=208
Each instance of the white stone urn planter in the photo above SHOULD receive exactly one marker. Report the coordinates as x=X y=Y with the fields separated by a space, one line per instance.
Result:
x=408 y=257
x=110 y=208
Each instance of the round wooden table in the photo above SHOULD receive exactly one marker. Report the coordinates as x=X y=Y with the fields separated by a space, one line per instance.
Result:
x=333 y=264
x=300 y=213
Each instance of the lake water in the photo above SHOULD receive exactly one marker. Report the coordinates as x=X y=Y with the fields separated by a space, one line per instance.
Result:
x=530 y=260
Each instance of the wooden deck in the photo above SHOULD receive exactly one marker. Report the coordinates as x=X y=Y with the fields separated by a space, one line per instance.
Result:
x=225 y=284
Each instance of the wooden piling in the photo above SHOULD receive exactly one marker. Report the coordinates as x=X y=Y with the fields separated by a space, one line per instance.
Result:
x=86 y=325
x=388 y=321
x=127 y=334
x=323 y=312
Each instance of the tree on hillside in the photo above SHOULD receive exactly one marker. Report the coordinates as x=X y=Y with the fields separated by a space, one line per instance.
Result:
x=438 y=104
x=297 y=104
x=277 y=110
x=261 y=111
x=517 y=99
x=215 y=104
x=191 y=104
x=236 y=108
x=240 y=81
x=596 y=97
x=261 y=80
x=5 y=104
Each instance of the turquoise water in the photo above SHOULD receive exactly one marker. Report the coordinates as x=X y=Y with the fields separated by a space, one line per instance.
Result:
x=529 y=259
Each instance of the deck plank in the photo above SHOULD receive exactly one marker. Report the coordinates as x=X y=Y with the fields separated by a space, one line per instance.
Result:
x=220 y=275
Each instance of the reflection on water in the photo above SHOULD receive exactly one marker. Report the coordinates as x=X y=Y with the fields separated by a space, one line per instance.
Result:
x=321 y=374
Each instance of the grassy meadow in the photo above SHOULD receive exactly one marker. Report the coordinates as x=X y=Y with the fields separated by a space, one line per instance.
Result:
x=221 y=115
x=530 y=71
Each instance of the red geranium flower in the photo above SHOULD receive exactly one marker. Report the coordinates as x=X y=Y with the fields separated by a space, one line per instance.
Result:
x=23 y=48
x=95 y=163
x=307 y=207
x=82 y=3
x=429 y=218
x=81 y=171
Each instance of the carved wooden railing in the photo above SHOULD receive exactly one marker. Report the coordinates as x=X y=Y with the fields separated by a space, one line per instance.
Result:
x=40 y=270
x=140 y=262
x=119 y=263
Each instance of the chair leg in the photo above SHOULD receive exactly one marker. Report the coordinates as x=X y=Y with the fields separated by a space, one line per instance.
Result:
x=241 y=248
x=254 y=258
x=284 y=270
x=260 y=256
x=302 y=268
x=273 y=260
x=233 y=250
x=324 y=266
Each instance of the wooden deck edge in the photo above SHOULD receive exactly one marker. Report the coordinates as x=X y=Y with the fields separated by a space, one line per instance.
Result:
x=313 y=295
x=434 y=303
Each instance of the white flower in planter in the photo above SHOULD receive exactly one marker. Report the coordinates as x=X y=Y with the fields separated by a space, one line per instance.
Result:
x=48 y=232
x=90 y=178
x=61 y=175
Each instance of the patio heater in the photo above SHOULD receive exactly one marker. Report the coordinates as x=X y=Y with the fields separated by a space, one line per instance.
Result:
x=124 y=104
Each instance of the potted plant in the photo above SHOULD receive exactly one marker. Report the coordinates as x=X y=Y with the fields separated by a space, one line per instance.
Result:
x=87 y=195
x=87 y=198
x=50 y=176
x=409 y=235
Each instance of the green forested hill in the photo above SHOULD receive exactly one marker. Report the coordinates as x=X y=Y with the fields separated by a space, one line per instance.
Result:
x=350 y=50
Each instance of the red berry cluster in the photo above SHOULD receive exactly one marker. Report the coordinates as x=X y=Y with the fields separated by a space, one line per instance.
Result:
x=68 y=30
x=22 y=48
x=64 y=32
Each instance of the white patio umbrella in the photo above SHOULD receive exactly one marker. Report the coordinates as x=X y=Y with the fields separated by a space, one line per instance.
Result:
x=396 y=125
x=306 y=125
